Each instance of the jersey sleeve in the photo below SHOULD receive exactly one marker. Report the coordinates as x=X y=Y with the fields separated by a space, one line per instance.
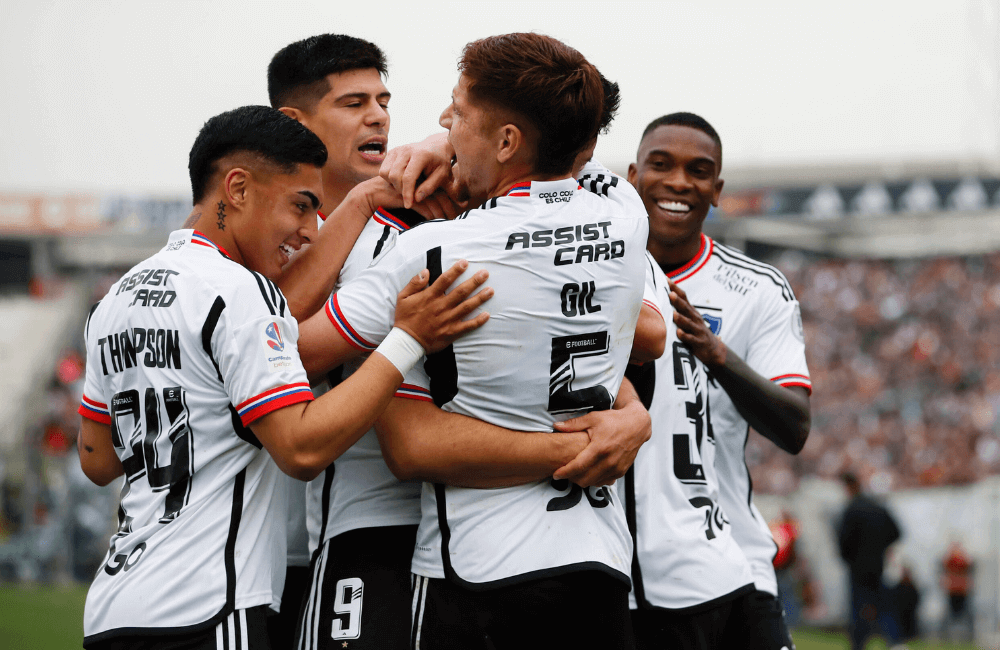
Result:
x=258 y=358
x=364 y=309
x=416 y=384
x=777 y=347
x=94 y=403
x=651 y=290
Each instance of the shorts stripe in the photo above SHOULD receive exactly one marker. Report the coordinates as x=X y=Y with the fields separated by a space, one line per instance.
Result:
x=419 y=603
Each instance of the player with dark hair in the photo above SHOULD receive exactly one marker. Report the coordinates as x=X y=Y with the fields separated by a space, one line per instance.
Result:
x=193 y=372
x=517 y=556
x=741 y=320
x=362 y=520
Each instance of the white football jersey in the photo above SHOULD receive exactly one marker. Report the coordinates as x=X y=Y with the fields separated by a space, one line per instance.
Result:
x=567 y=265
x=750 y=306
x=358 y=490
x=183 y=354
x=685 y=556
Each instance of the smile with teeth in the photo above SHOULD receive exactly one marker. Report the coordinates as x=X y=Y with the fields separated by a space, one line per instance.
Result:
x=287 y=250
x=673 y=206
x=372 y=147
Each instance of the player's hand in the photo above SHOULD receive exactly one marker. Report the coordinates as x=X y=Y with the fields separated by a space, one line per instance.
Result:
x=693 y=331
x=615 y=438
x=418 y=170
x=438 y=205
x=435 y=318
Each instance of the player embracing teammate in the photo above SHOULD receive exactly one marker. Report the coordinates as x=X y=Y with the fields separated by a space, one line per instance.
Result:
x=516 y=536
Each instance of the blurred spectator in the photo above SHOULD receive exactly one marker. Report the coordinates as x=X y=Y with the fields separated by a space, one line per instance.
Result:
x=956 y=580
x=905 y=364
x=785 y=531
x=866 y=531
x=906 y=597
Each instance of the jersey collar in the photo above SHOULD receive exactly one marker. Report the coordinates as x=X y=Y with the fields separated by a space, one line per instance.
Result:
x=696 y=263
x=534 y=188
x=202 y=240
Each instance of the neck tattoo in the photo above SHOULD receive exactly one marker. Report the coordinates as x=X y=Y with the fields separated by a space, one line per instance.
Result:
x=221 y=223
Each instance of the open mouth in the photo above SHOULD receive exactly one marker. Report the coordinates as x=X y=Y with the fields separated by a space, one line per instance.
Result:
x=286 y=253
x=374 y=149
x=675 y=208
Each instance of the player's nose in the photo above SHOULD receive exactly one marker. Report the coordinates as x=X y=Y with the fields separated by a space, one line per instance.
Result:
x=445 y=119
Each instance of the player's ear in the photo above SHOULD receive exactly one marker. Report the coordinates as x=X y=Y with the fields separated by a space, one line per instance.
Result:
x=510 y=142
x=633 y=173
x=292 y=112
x=237 y=187
x=717 y=192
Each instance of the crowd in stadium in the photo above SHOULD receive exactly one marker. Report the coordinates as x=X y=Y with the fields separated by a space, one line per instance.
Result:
x=904 y=358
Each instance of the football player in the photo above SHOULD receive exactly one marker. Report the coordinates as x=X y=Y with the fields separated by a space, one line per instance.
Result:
x=195 y=393
x=740 y=319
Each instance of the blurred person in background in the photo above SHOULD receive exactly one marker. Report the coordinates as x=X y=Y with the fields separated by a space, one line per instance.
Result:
x=956 y=580
x=785 y=531
x=866 y=530
x=906 y=599
x=740 y=318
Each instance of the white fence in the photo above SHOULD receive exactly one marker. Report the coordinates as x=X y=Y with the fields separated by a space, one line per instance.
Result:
x=930 y=519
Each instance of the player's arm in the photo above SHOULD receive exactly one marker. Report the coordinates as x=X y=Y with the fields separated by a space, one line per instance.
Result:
x=305 y=438
x=309 y=278
x=421 y=442
x=780 y=413
x=615 y=438
x=650 y=336
x=97 y=453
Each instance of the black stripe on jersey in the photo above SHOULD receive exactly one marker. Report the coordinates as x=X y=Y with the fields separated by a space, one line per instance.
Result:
x=757 y=268
x=234 y=529
x=207 y=331
x=90 y=314
x=649 y=260
x=381 y=242
x=746 y=438
x=327 y=486
x=263 y=290
x=408 y=216
x=441 y=367
x=450 y=574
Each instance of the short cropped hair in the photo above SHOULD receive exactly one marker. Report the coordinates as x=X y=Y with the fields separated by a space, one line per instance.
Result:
x=686 y=119
x=257 y=130
x=612 y=100
x=543 y=81
x=297 y=74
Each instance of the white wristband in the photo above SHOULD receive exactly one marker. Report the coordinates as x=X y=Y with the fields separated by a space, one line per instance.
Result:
x=401 y=349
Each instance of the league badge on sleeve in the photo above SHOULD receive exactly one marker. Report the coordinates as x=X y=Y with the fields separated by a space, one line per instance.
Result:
x=274 y=347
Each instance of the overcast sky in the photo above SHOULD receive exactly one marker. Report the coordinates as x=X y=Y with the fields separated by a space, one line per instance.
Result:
x=108 y=96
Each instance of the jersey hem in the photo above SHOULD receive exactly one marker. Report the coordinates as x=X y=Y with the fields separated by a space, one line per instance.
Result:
x=452 y=576
x=377 y=523
x=700 y=607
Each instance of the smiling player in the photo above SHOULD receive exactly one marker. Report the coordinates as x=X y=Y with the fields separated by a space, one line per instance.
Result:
x=740 y=318
x=193 y=371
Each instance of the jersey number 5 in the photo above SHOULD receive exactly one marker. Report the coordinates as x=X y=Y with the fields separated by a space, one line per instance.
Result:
x=562 y=397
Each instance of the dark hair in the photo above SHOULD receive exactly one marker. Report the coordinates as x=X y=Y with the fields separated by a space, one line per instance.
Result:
x=297 y=74
x=612 y=100
x=543 y=81
x=689 y=120
x=257 y=130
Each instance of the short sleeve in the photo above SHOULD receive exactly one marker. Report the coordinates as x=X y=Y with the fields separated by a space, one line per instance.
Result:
x=364 y=309
x=260 y=365
x=416 y=384
x=94 y=404
x=651 y=290
x=777 y=348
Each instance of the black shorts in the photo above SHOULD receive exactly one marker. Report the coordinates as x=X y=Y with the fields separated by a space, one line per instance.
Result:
x=360 y=591
x=757 y=623
x=244 y=629
x=662 y=629
x=587 y=609
x=281 y=626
